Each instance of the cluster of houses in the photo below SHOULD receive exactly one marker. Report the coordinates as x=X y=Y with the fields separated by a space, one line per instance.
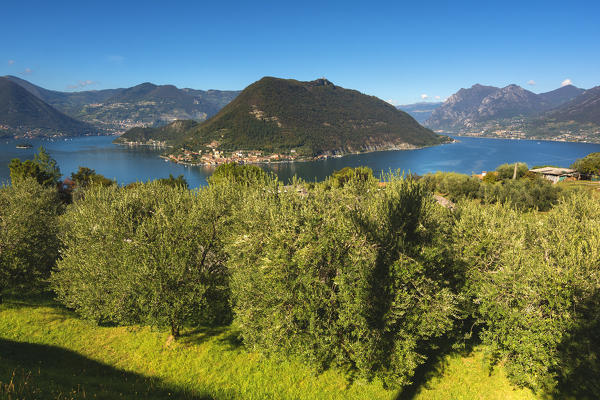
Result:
x=213 y=156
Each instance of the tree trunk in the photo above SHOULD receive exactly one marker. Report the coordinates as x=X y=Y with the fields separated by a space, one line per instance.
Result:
x=174 y=330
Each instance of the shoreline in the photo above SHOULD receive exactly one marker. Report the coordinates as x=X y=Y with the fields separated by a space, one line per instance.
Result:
x=309 y=159
x=534 y=139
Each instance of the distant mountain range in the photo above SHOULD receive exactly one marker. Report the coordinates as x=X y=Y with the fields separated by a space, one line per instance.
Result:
x=309 y=118
x=567 y=113
x=420 y=111
x=116 y=110
x=24 y=114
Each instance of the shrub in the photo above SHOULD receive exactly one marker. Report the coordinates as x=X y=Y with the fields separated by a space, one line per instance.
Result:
x=490 y=177
x=523 y=194
x=146 y=254
x=345 y=175
x=506 y=171
x=453 y=185
x=238 y=174
x=42 y=168
x=589 y=165
x=351 y=276
x=28 y=233
x=85 y=177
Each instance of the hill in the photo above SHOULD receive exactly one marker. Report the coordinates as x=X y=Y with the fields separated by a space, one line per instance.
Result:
x=174 y=132
x=146 y=104
x=23 y=114
x=421 y=112
x=309 y=118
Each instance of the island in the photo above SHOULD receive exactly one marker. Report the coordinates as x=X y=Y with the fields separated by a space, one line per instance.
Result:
x=283 y=120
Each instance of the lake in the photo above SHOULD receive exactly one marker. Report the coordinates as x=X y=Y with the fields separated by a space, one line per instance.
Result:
x=468 y=155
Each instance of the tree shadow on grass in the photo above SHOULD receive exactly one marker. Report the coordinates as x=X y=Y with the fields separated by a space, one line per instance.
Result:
x=436 y=363
x=579 y=353
x=226 y=336
x=48 y=372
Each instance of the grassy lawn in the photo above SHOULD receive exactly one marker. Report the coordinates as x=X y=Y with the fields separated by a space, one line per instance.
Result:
x=47 y=352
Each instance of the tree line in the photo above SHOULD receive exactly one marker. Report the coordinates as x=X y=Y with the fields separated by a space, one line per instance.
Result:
x=349 y=273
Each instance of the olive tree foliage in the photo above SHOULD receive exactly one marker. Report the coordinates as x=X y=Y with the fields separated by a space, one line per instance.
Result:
x=453 y=185
x=150 y=254
x=530 y=193
x=240 y=174
x=589 y=165
x=42 y=168
x=534 y=283
x=507 y=171
x=28 y=233
x=352 y=275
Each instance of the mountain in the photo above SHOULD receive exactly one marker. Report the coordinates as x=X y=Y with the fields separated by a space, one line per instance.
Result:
x=481 y=107
x=307 y=118
x=69 y=103
x=584 y=108
x=458 y=109
x=146 y=104
x=23 y=114
x=561 y=95
x=419 y=111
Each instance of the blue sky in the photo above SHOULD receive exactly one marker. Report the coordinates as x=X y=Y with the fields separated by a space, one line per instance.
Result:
x=397 y=51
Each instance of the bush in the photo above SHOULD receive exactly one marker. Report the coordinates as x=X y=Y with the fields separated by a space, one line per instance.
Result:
x=352 y=276
x=589 y=165
x=506 y=171
x=149 y=254
x=239 y=174
x=28 y=233
x=42 y=168
x=345 y=175
x=453 y=185
x=523 y=194
x=534 y=283
x=85 y=177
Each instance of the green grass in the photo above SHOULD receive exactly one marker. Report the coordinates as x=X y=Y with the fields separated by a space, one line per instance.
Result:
x=48 y=352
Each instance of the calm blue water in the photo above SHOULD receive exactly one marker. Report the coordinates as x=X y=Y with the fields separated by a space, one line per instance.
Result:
x=468 y=156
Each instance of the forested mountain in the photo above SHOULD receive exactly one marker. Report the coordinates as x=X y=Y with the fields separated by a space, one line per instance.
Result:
x=312 y=118
x=419 y=111
x=23 y=114
x=142 y=105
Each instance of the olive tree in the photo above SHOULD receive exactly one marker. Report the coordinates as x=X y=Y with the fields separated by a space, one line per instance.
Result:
x=350 y=275
x=28 y=232
x=150 y=254
x=534 y=283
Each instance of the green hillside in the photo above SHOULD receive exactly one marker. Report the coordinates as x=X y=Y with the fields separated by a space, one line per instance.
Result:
x=277 y=115
x=47 y=352
x=174 y=132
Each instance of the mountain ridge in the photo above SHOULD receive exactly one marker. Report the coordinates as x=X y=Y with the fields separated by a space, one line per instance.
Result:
x=146 y=104
x=24 y=114
x=468 y=108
